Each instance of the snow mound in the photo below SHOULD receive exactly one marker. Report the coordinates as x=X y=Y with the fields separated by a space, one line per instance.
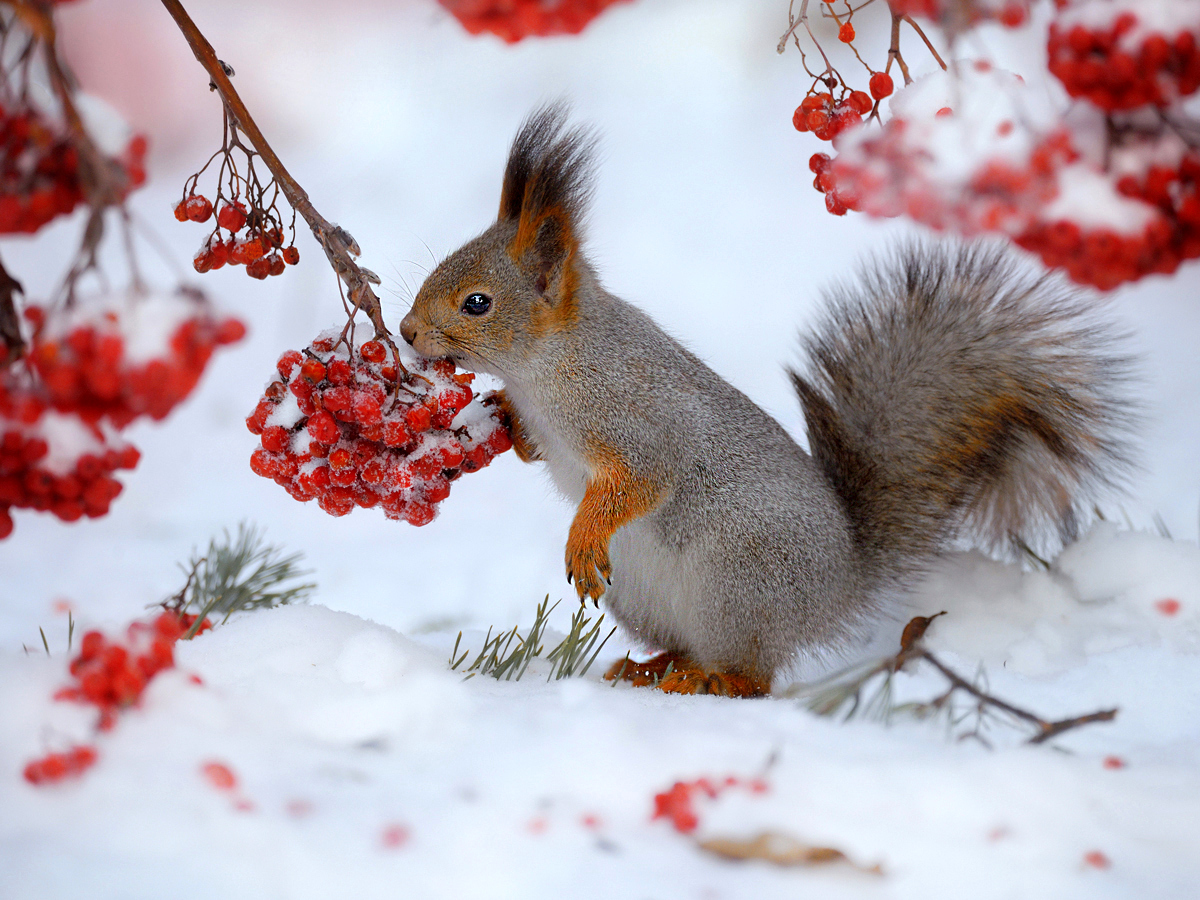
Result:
x=1109 y=591
x=362 y=682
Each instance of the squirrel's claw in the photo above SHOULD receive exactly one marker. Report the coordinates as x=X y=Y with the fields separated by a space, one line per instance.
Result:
x=588 y=566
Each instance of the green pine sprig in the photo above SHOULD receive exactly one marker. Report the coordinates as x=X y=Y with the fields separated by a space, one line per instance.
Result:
x=240 y=573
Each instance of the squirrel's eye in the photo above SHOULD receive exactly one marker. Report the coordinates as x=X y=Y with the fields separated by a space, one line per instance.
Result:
x=476 y=304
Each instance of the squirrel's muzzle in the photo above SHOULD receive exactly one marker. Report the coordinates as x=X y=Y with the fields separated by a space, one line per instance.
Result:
x=408 y=329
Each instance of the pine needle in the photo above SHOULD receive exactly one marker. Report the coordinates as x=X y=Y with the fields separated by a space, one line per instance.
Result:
x=503 y=660
x=240 y=573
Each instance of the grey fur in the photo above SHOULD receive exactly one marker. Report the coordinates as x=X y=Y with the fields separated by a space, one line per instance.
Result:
x=758 y=552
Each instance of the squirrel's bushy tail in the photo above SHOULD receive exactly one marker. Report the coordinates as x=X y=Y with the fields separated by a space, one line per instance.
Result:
x=952 y=394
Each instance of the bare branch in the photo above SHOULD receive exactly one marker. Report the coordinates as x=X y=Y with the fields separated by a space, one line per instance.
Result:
x=12 y=347
x=847 y=690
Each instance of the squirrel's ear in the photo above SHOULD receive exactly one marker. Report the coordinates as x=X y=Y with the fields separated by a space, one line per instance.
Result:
x=544 y=248
x=547 y=183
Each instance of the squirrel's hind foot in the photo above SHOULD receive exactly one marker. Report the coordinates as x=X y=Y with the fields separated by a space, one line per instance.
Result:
x=677 y=674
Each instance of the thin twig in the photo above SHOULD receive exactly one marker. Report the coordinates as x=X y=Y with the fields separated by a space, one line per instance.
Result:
x=340 y=248
x=835 y=693
x=917 y=28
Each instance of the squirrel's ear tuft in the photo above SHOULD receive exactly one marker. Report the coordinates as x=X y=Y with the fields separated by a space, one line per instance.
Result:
x=547 y=184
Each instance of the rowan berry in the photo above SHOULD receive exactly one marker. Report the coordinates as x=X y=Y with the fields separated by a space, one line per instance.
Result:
x=232 y=216
x=198 y=208
x=372 y=351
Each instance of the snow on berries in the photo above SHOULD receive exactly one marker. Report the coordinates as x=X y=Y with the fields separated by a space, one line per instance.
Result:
x=1106 y=192
x=39 y=172
x=261 y=249
x=825 y=118
x=91 y=370
x=1122 y=54
x=513 y=20
x=352 y=428
x=124 y=356
x=971 y=170
x=977 y=151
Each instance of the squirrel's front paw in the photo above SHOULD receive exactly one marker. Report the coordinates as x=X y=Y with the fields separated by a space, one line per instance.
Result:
x=586 y=558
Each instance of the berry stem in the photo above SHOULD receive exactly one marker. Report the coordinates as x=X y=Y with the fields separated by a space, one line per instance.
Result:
x=340 y=248
x=893 y=50
x=104 y=181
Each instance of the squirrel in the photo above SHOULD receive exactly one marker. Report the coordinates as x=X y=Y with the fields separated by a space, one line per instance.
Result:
x=949 y=397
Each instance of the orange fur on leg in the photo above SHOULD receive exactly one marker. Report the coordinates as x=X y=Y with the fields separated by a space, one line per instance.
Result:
x=614 y=497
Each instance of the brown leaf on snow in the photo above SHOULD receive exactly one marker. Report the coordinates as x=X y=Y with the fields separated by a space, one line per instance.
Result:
x=782 y=850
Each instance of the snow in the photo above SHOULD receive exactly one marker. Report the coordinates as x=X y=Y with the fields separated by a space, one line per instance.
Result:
x=341 y=720
x=67 y=439
x=1087 y=198
x=145 y=320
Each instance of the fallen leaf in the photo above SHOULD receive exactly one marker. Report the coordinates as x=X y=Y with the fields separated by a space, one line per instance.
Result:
x=782 y=850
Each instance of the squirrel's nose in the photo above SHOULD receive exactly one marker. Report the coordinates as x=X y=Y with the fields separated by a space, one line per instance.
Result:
x=408 y=329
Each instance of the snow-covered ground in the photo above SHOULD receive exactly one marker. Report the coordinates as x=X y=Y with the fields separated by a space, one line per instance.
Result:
x=368 y=768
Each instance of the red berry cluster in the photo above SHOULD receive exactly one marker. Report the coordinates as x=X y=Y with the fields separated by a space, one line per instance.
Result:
x=353 y=429
x=1121 y=66
x=56 y=766
x=514 y=20
x=826 y=119
x=88 y=367
x=112 y=676
x=39 y=171
x=678 y=803
x=958 y=14
x=889 y=173
x=53 y=463
x=260 y=249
